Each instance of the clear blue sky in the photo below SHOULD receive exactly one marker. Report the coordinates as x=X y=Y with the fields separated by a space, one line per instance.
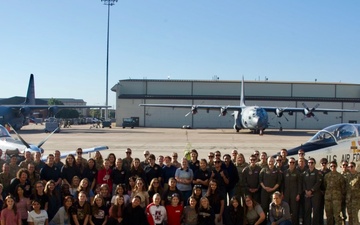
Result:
x=63 y=43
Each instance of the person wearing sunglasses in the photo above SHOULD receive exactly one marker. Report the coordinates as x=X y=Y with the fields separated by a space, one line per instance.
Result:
x=251 y=179
x=335 y=191
x=221 y=176
x=127 y=160
x=324 y=170
x=174 y=160
x=79 y=153
x=270 y=180
x=344 y=172
x=210 y=164
x=312 y=179
x=291 y=189
x=145 y=162
x=263 y=163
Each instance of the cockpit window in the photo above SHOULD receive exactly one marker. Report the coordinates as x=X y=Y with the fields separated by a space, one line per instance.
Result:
x=344 y=132
x=4 y=132
x=323 y=137
x=335 y=133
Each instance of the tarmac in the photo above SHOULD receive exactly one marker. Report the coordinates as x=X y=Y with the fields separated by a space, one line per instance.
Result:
x=164 y=141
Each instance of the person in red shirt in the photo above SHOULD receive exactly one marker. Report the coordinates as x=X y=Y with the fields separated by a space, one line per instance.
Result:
x=174 y=211
x=104 y=174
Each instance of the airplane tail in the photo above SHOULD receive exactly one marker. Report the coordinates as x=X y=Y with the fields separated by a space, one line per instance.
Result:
x=242 y=100
x=30 y=96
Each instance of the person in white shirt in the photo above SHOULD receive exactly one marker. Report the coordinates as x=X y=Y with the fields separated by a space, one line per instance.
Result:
x=37 y=216
x=156 y=213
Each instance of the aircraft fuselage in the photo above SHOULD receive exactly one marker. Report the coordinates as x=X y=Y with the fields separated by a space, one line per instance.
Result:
x=7 y=115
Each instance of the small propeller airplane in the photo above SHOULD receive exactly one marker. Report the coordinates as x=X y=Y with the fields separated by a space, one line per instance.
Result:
x=340 y=142
x=254 y=118
x=18 y=147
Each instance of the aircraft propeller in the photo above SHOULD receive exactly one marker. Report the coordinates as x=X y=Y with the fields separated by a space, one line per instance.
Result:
x=192 y=111
x=39 y=145
x=310 y=112
x=223 y=111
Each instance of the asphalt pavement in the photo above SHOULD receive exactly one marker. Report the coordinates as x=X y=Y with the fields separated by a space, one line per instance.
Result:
x=164 y=141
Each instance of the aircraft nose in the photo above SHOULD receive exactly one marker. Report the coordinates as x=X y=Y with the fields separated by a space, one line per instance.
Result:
x=255 y=121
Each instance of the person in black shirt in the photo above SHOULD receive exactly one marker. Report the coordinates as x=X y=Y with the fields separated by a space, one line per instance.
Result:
x=134 y=214
x=202 y=176
x=40 y=195
x=194 y=163
x=99 y=212
x=172 y=189
x=118 y=174
x=51 y=172
x=22 y=178
x=152 y=170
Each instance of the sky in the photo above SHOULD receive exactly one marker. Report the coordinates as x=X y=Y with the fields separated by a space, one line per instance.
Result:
x=63 y=43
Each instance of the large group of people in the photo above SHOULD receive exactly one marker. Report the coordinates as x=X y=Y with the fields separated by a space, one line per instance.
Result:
x=220 y=190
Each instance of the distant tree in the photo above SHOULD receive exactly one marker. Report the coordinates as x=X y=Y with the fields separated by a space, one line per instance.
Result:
x=95 y=113
x=53 y=101
x=112 y=113
x=67 y=114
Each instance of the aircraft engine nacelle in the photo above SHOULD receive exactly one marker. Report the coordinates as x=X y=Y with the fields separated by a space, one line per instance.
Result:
x=52 y=111
x=223 y=111
x=25 y=111
x=279 y=112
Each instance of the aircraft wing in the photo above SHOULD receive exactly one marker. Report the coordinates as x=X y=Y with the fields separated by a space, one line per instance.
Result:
x=58 y=106
x=86 y=150
x=308 y=112
x=295 y=109
x=207 y=107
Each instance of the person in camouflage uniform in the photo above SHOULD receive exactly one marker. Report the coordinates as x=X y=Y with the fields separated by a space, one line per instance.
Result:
x=353 y=194
x=324 y=170
x=344 y=172
x=335 y=192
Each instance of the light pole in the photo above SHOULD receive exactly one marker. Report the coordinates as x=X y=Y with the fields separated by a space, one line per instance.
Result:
x=108 y=3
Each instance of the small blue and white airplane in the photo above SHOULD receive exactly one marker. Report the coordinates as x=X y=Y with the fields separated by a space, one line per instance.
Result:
x=18 y=147
x=254 y=118
x=338 y=142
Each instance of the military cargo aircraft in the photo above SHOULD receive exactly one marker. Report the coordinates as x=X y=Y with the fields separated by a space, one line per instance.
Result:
x=254 y=118
x=18 y=147
x=17 y=115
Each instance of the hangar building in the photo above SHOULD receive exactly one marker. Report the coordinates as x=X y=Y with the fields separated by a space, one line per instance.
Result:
x=132 y=92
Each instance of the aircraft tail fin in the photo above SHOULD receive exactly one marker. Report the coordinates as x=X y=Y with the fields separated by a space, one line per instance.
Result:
x=30 y=96
x=242 y=98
